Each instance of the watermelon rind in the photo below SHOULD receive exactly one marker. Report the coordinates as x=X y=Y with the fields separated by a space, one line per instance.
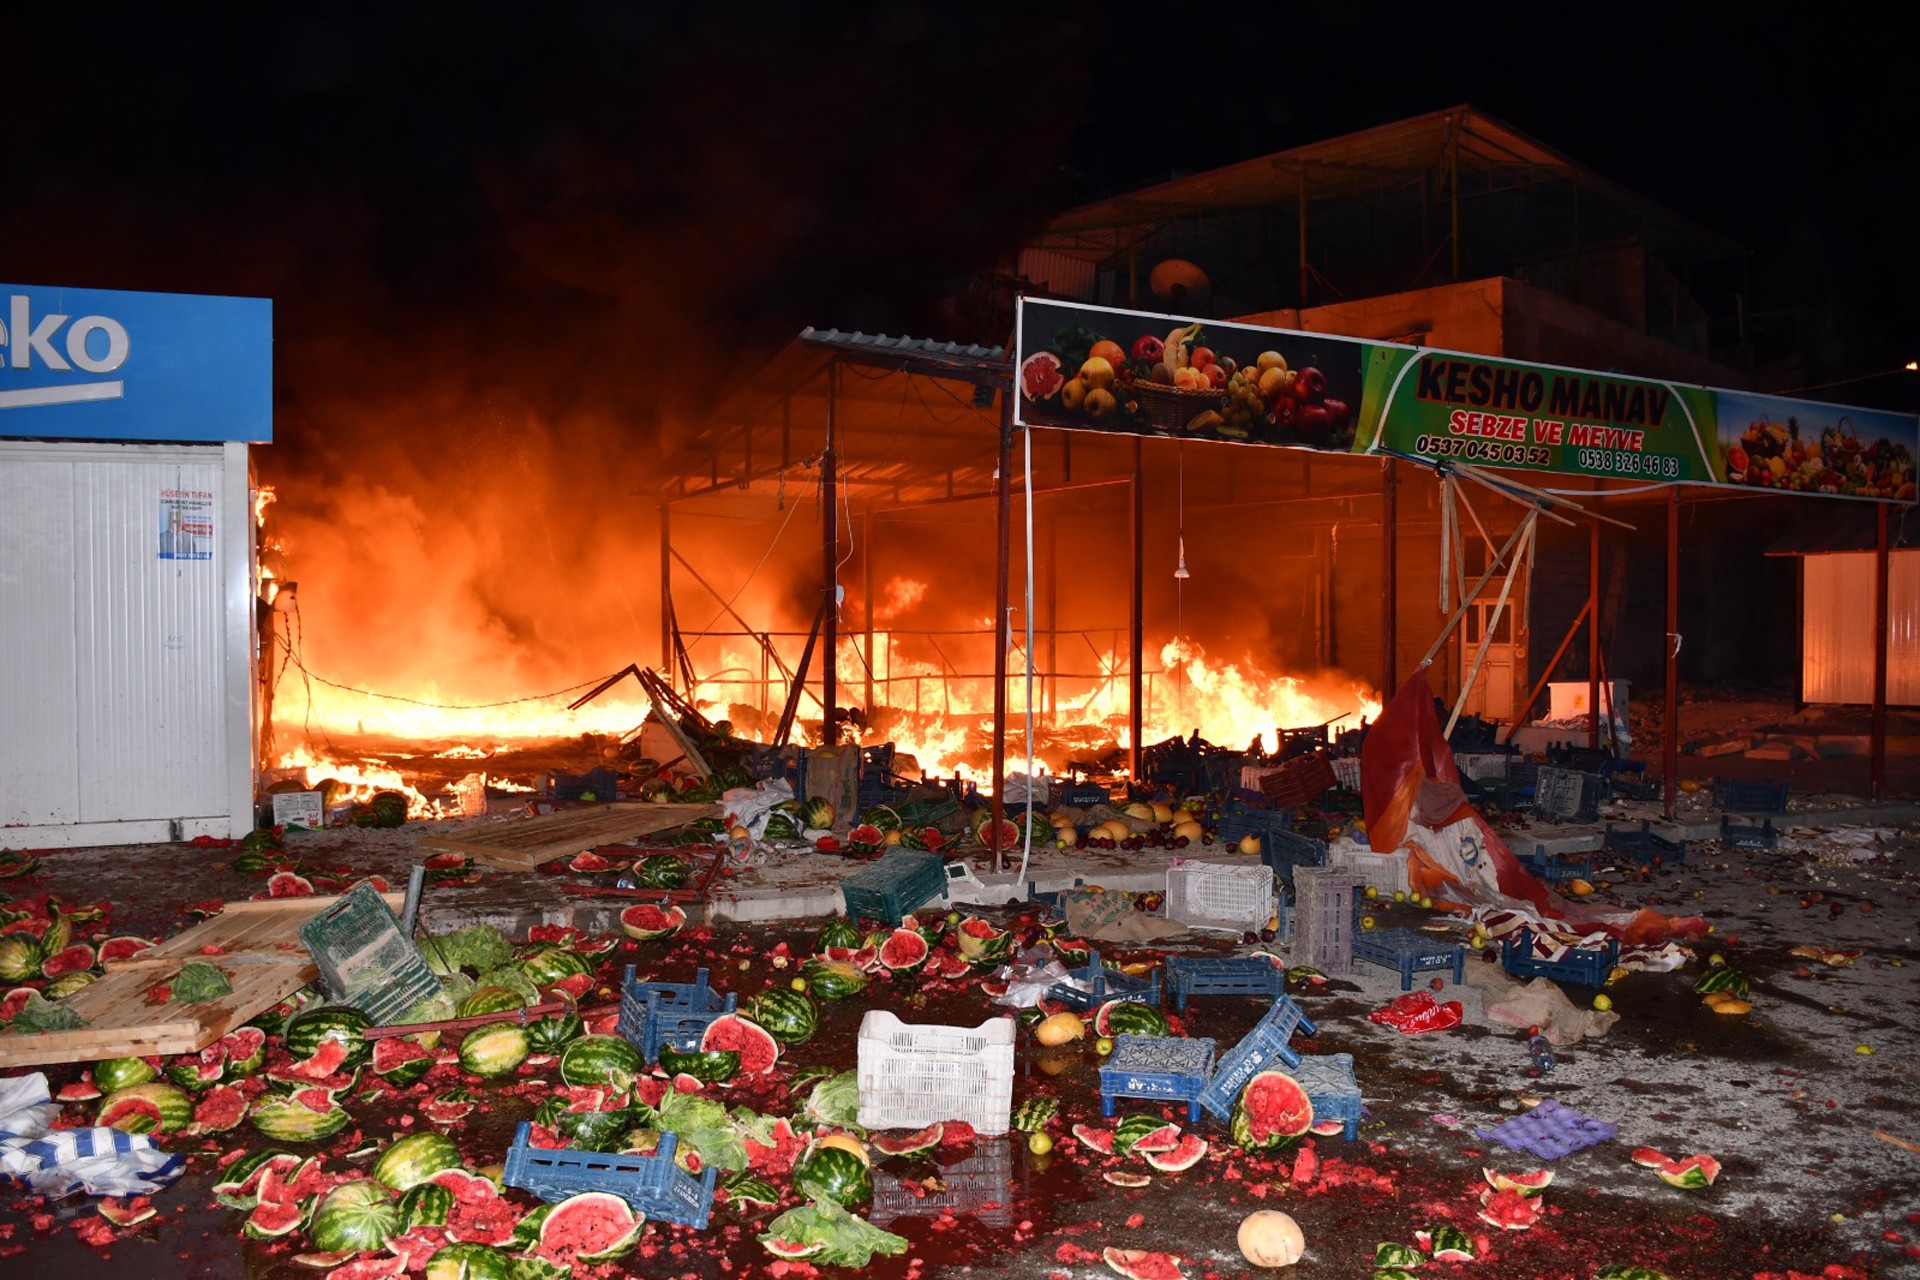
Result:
x=1035 y=1114
x=1130 y=1130
x=1188 y=1152
x=1127 y=1178
x=271 y=1220
x=833 y=979
x=113 y=1074
x=1391 y=1253
x=1649 y=1158
x=909 y=1144
x=647 y=922
x=414 y=1159
x=601 y=1060
x=424 y=1204
x=1140 y=1264
x=1130 y=1018
x=747 y=1189
x=281 y=1118
x=401 y=1060
x=238 y=1187
x=221 y=1108
x=494 y=1051
x=171 y=1106
x=708 y=1066
x=466 y=1260
x=126 y=1213
x=305 y=1030
x=1446 y=1243
x=1527 y=1184
x=357 y=1215
x=614 y=1226
x=1691 y=1173
x=791 y=1249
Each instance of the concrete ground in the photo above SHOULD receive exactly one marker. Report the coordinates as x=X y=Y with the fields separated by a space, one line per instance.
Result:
x=1809 y=1103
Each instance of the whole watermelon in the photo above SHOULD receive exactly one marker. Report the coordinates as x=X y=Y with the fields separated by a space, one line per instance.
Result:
x=601 y=1060
x=833 y=1173
x=788 y=1015
x=661 y=871
x=415 y=1158
x=355 y=1216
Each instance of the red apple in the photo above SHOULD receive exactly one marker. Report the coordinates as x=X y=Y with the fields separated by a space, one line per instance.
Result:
x=1200 y=357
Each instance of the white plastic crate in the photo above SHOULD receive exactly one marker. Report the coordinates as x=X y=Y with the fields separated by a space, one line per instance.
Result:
x=1214 y=895
x=1386 y=872
x=914 y=1075
x=980 y=1187
x=1347 y=770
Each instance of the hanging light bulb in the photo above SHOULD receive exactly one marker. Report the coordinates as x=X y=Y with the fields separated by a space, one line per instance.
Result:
x=1180 y=569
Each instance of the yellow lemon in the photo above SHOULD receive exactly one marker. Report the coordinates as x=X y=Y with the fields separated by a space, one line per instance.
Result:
x=798 y=984
x=1603 y=1002
x=1039 y=1144
x=1103 y=1046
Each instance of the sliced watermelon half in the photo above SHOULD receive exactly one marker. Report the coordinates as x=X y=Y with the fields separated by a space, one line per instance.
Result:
x=371 y=1268
x=910 y=1144
x=1509 y=1210
x=1648 y=1158
x=288 y=885
x=1141 y=1264
x=756 y=1046
x=1100 y=1140
x=1180 y=1157
x=78 y=1091
x=223 y=1107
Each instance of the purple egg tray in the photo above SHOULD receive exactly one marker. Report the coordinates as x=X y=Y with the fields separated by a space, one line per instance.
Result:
x=1550 y=1131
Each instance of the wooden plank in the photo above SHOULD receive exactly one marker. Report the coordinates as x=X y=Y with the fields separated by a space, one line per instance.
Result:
x=522 y=846
x=246 y=931
x=122 y=1023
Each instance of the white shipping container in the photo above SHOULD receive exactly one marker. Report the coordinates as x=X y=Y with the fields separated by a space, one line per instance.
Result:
x=126 y=643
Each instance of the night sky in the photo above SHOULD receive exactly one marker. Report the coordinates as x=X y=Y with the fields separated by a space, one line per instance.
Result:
x=550 y=195
x=501 y=246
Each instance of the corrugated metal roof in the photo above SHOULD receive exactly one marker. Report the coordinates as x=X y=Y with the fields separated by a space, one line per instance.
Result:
x=1493 y=157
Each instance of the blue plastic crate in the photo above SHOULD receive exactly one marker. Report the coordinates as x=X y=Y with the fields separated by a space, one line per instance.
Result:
x=1569 y=795
x=1240 y=820
x=1328 y=1081
x=1189 y=976
x=1263 y=1046
x=1084 y=795
x=1582 y=966
x=1748 y=837
x=1558 y=868
x=1163 y=1068
x=1285 y=850
x=901 y=882
x=1408 y=953
x=1094 y=985
x=653 y=1184
x=1749 y=797
x=1643 y=847
x=673 y=1013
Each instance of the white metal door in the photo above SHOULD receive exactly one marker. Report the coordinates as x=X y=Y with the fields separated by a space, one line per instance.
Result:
x=1492 y=695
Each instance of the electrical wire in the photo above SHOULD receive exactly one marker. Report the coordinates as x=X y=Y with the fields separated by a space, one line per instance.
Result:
x=765 y=556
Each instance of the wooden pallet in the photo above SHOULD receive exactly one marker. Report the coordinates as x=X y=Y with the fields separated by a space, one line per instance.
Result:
x=522 y=846
x=257 y=945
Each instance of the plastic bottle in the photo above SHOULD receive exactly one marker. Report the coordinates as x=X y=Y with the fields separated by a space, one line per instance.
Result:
x=1542 y=1051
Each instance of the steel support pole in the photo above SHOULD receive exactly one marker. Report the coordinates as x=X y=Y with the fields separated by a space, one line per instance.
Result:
x=666 y=587
x=866 y=573
x=1877 y=742
x=1003 y=546
x=1136 y=678
x=1593 y=634
x=1670 y=722
x=829 y=566
x=1390 y=578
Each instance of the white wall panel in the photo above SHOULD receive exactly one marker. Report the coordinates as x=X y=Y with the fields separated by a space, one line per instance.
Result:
x=150 y=644
x=39 y=755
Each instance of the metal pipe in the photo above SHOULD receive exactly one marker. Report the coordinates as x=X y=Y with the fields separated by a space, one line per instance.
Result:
x=1137 y=642
x=1877 y=741
x=1390 y=576
x=1593 y=634
x=1670 y=726
x=829 y=567
x=666 y=587
x=1003 y=548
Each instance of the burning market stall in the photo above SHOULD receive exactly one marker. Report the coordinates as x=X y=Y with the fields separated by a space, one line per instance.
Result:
x=127 y=604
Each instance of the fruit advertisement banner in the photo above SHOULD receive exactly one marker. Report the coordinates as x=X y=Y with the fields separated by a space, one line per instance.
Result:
x=1136 y=373
x=1099 y=369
